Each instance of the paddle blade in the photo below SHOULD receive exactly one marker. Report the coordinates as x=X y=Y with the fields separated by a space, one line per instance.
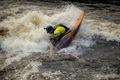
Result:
x=64 y=42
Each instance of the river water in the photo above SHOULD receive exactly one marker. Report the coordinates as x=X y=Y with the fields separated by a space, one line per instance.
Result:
x=24 y=42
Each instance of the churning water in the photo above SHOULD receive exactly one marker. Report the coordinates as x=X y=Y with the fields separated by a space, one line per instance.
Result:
x=23 y=31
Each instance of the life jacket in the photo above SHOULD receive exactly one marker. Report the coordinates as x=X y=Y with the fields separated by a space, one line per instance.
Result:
x=66 y=28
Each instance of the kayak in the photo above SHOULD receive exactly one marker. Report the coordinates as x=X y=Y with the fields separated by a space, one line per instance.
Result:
x=66 y=40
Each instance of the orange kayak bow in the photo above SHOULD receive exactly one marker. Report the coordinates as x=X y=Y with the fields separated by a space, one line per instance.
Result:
x=67 y=39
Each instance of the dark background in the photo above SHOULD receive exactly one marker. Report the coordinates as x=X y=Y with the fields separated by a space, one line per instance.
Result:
x=115 y=2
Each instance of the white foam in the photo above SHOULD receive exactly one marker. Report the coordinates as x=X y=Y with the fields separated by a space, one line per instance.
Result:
x=107 y=30
x=27 y=33
x=25 y=46
x=12 y=57
x=66 y=16
x=105 y=76
x=84 y=42
x=51 y=75
x=29 y=69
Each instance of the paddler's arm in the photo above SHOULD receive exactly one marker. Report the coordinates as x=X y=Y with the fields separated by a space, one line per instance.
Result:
x=55 y=36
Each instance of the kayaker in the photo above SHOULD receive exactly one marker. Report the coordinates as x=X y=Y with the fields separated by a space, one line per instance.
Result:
x=56 y=32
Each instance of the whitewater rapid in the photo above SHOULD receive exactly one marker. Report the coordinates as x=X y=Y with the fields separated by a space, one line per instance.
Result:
x=26 y=31
x=24 y=39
